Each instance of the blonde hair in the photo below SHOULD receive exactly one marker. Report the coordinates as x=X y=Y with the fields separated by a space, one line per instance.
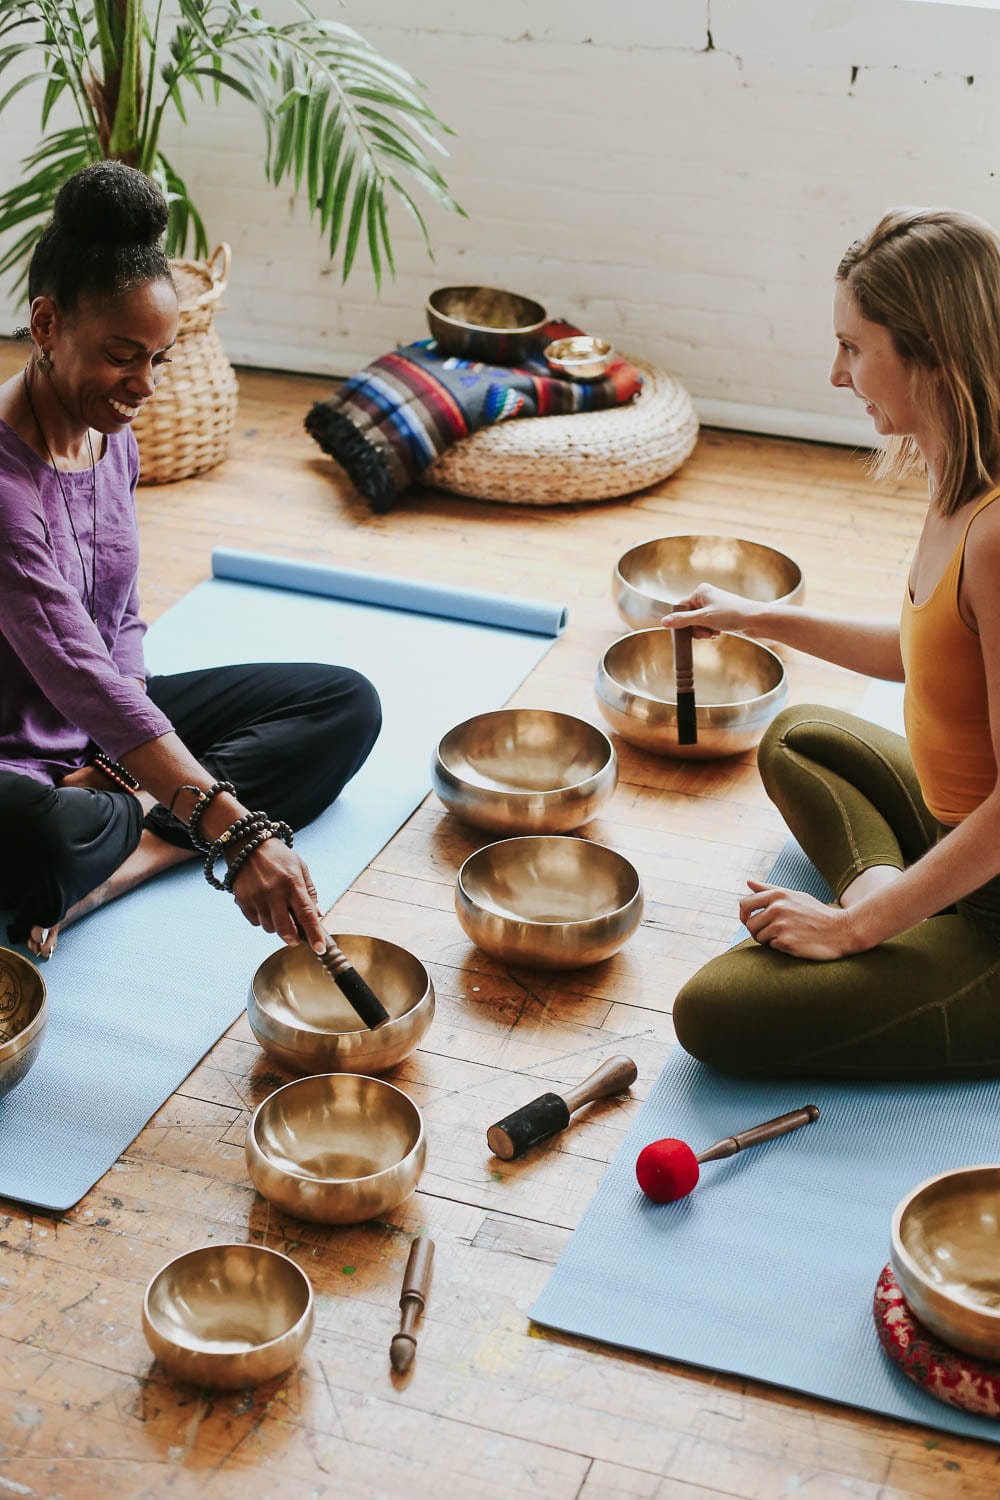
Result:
x=932 y=278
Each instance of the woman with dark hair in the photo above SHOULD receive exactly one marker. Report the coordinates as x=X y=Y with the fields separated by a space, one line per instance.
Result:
x=107 y=778
x=902 y=975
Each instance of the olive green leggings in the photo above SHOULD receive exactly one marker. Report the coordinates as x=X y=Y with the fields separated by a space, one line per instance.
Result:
x=923 y=1004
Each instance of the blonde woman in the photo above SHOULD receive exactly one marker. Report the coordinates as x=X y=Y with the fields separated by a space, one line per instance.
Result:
x=902 y=975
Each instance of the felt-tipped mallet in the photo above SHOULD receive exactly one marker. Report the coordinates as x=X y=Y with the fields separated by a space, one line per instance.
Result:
x=687 y=713
x=412 y=1300
x=667 y=1170
x=352 y=986
x=549 y=1113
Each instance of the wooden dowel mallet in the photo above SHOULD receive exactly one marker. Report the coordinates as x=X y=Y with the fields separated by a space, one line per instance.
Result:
x=549 y=1113
x=687 y=712
x=412 y=1300
x=667 y=1170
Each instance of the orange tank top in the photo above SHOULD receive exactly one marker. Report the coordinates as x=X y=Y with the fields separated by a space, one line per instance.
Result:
x=945 y=703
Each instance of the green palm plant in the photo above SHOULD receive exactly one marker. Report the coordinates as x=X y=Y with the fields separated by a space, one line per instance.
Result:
x=340 y=120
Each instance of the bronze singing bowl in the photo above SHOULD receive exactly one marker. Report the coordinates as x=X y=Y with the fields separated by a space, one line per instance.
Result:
x=484 y=323
x=739 y=686
x=525 y=770
x=548 y=902
x=228 y=1315
x=337 y=1148
x=945 y=1252
x=23 y=1013
x=302 y=1020
x=649 y=579
x=581 y=357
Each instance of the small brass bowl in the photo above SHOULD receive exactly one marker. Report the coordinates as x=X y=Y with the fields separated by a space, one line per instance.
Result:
x=549 y=902
x=23 y=1014
x=525 y=770
x=302 y=1020
x=484 y=323
x=739 y=686
x=228 y=1315
x=338 y=1148
x=650 y=578
x=580 y=357
x=945 y=1253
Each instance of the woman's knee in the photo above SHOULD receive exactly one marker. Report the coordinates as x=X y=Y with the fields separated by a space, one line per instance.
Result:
x=775 y=739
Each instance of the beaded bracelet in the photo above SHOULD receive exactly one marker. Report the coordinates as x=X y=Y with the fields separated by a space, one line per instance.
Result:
x=115 y=771
x=198 y=811
x=272 y=831
x=243 y=828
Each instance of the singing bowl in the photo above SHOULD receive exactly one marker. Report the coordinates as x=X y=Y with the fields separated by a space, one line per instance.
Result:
x=739 y=686
x=302 y=1020
x=23 y=1014
x=945 y=1253
x=548 y=902
x=338 y=1148
x=525 y=770
x=228 y=1315
x=650 y=578
x=580 y=357
x=485 y=323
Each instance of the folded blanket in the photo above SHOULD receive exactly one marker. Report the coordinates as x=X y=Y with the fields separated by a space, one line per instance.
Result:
x=388 y=423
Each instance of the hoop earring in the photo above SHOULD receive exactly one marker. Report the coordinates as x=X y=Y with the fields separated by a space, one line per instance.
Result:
x=44 y=361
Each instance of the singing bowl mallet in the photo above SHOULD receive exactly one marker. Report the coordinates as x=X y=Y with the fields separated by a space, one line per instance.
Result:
x=412 y=1300
x=667 y=1170
x=352 y=986
x=549 y=1113
x=687 y=714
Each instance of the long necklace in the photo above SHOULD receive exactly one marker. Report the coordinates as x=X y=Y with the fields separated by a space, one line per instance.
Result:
x=89 y=598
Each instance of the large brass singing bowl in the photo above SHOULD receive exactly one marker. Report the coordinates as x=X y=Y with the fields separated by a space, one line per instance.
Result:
x=525 y=770
x=550 y=903
x=23 y=1013
x=649 y=579
x=945 y=1252
x=338 y=1148
x=739 y=686
x=302 y=1020
x=228 y=1315
x=484 y=323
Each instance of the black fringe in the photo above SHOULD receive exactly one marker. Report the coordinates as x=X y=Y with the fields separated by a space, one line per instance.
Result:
x=367 y=468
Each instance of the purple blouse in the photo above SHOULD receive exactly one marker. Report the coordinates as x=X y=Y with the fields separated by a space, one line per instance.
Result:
x=66 y=681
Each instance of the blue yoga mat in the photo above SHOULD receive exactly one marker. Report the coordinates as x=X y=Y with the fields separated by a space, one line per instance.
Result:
x=139 y=991
x=768 y=1269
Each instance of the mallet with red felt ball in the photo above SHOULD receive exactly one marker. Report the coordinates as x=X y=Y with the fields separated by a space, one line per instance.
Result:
x=667 y=1170
x=550 y=1113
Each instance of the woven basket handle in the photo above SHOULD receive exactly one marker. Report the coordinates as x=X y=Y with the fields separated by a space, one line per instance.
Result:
x=219 y=272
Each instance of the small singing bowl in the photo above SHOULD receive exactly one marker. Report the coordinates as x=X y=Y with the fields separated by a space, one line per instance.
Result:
x=303 y=1022
x=23 y=1014
x=228 y=1315
x=650 y=578
x=337 y=1148
x=580 y=357
x=525 y=770
x=548 y=902
x=945 y=1253
x=484 y=323
x=739 y=686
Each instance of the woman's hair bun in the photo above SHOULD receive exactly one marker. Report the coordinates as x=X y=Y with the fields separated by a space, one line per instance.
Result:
x=111 y=203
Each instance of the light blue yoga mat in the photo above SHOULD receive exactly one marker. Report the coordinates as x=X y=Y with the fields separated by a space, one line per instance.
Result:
x=139 y=991
x=768 y=1269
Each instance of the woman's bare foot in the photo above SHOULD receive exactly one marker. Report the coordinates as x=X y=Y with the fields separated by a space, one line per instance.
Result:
x=868 y=883
x=150 y=857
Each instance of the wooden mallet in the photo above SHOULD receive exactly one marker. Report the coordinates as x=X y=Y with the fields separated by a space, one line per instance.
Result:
x=412 y=1300
x=549 y=1113
x=687 y=714
x=667 y=1170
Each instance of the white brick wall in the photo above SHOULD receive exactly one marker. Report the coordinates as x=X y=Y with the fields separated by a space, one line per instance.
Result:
x=678 y=175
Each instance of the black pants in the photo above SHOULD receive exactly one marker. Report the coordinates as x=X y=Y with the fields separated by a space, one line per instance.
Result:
x=289 y=738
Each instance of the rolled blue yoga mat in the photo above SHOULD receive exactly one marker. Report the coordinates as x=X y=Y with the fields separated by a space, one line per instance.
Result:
x=140 y=990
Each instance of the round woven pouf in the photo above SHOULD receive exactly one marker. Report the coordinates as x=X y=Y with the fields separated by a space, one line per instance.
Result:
x=591 y=455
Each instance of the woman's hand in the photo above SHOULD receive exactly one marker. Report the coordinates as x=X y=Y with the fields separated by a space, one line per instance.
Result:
x=795 y=923
x=710 y=611
x=274 y=890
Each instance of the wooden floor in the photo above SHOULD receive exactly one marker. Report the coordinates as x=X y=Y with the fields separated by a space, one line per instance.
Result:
x=494 y=1409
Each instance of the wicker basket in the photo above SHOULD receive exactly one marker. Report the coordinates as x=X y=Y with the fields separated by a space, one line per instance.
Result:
x=186 y=428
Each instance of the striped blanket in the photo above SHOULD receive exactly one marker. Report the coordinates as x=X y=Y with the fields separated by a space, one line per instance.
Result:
x=388 y=423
